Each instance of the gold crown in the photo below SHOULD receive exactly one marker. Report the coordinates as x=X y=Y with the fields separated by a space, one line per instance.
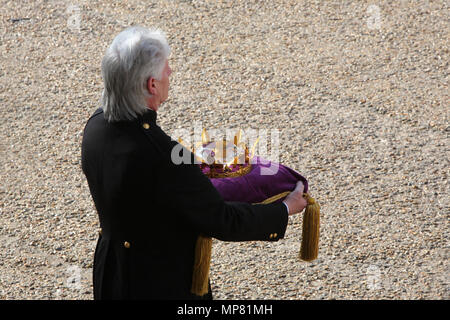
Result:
x=222 y=159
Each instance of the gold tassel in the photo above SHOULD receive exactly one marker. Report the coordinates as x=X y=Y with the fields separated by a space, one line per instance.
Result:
x=310 y=236
x=308 y=252
x=311 y=225
x=202 y=260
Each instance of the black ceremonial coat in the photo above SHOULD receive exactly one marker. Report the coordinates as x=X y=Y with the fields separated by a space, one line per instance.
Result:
x=151 y=211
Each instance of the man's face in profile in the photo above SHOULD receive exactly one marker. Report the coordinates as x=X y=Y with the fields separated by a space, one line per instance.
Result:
x=163 y=85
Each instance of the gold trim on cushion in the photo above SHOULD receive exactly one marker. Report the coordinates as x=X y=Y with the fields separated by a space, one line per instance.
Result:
x=275 y=197
x=231 y=174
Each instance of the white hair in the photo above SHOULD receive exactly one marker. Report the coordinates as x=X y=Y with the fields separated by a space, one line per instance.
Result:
x=135 y=55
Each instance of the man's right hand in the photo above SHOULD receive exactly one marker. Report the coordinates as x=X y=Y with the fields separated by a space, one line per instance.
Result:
x=295 y=201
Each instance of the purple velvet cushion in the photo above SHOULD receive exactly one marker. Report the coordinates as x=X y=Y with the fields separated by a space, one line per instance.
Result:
x=266 y=179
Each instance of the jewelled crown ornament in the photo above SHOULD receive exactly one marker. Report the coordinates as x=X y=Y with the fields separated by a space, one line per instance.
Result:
x=239 y=175
x=223 y=159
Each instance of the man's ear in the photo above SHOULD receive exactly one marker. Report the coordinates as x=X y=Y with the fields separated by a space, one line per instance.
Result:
x=151 y=86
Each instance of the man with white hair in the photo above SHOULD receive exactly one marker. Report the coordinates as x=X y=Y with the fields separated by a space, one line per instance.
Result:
x=151 y=211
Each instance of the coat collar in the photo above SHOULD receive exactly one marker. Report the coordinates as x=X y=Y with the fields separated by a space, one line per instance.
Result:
x=149 y=116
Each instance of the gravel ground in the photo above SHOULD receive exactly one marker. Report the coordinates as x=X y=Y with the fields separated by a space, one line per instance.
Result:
x=357 y=90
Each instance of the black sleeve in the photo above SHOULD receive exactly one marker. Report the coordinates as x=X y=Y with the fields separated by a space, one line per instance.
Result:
x=192 y=197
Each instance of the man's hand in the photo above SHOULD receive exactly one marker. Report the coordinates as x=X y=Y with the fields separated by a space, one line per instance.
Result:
x=295 y=201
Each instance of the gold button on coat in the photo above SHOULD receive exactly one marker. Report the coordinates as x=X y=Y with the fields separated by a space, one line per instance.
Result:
x=275 y=235
x=146 y=126
x=126 y=244
x=271 y=236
